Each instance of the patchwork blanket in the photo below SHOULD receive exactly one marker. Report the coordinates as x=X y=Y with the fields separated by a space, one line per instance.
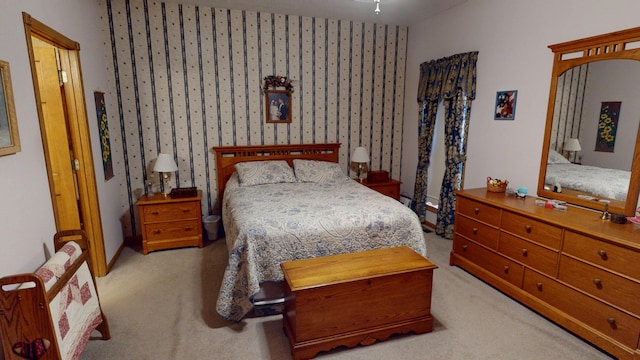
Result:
x=75 y=310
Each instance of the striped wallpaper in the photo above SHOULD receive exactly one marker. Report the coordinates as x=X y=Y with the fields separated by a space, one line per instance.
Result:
x=187 y=78
x=567 y=113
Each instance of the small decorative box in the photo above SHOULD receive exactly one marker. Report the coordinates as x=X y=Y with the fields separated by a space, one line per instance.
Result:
x=378 y=176
x=183 y=192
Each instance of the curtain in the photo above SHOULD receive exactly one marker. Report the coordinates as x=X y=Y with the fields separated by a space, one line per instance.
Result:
x=452 y=80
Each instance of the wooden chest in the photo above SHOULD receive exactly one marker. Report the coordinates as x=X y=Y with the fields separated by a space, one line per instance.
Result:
x=357 y=298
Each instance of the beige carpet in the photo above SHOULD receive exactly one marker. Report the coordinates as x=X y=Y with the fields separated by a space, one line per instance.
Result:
x=162 y=306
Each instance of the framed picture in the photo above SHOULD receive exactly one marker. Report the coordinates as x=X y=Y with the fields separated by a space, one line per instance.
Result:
x=505 y=108
x=103 y=127
x=9 y=140
x=278 y=106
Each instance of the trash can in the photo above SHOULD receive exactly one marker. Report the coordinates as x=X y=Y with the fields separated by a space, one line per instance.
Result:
x=210 y=224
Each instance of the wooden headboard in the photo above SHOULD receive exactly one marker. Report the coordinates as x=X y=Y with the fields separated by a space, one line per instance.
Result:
x=228 y=156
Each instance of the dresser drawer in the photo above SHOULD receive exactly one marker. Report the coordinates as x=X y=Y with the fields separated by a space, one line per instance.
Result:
x=172 y=230
x=478 y=232
x=498 y=265
x=531 y=229
x=601 y=317
x=607 y=286
x=529 y=253
x=389 y=190
x=478 y=211
x=614 y=257
x=172 y=211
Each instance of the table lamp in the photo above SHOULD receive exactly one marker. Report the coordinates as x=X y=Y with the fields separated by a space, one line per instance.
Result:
x=165 y=165
x=360 y=157
x=572 y=145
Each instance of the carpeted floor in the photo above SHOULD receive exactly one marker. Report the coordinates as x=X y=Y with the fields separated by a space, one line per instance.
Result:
x=162 y=306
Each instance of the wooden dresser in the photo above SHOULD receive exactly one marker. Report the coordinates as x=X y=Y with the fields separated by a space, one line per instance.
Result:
x=169 y=223
x=570 y=266
x=391 y=187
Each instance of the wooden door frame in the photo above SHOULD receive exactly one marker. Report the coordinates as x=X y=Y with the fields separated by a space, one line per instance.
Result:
x=78 y=131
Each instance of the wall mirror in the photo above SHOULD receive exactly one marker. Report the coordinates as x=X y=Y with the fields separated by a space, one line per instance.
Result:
x=591 y=148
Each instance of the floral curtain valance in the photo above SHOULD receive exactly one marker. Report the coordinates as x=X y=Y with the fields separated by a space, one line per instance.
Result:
x=443 y=77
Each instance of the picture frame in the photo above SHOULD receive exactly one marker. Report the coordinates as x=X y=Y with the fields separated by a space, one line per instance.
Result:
x=9 y=138
x=505 y=106
x=278 y=106
x=103 y=128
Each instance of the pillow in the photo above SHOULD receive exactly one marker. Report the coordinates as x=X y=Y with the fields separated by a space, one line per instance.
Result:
x=556 y=158
x=321 y=172
x=264 y=172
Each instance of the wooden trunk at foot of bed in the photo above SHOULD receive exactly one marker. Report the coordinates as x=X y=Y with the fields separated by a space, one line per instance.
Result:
x=228 y=156
x=355 y=299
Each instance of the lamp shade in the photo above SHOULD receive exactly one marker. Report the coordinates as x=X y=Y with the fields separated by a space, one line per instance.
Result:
x=572 y=145
x=165 y=163
x=360 y=155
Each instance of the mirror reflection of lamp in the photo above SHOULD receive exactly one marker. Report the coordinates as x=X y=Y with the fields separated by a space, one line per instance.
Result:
x=165 y=165
x=360 y=157
x=572 y=146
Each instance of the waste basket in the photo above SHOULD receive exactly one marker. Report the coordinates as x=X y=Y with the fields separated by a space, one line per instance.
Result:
x=210 y=224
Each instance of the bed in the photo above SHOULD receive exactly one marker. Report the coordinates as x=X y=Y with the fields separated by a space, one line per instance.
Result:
x=319 y=212
x=599 y=182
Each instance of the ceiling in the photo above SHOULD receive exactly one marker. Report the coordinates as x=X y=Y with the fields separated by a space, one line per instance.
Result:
x=393 y=12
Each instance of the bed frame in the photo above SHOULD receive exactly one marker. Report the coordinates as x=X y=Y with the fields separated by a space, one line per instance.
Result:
x=228 y=156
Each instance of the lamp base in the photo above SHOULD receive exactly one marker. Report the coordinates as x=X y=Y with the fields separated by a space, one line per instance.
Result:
x=165 y=177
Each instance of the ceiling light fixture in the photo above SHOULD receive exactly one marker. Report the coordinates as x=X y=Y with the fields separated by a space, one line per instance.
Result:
x=377 y=10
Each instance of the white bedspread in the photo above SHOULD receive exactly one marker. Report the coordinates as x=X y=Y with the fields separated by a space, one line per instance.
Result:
x=610 y=183
x=271 y=224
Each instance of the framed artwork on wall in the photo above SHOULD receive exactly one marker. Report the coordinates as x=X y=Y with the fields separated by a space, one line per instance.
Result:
x=505 y=108
x=103 y=127
x=608 y=126
x=278 y=106
x=9 y=139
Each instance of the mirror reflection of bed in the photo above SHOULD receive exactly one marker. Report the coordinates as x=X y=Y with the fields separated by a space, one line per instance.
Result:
x=586 y=181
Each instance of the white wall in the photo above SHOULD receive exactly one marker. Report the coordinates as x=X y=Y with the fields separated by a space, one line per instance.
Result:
x=512 y=39
x=26 y=216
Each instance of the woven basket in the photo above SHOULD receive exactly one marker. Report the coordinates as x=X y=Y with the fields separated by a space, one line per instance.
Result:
x=499 y=187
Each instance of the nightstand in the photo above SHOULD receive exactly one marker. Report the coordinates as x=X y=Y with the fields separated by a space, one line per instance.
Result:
x=390 y=188
x=169 y=223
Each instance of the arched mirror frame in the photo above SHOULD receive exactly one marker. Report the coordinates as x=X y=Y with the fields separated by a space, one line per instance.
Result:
x=623 y=44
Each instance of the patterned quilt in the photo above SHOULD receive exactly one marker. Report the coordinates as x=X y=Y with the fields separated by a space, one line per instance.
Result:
x=269 y=224
x=75 y=309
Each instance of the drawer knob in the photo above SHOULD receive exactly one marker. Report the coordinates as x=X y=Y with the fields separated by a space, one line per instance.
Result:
x=155 y=212
x=476 y=211
x=506 y=269
x=597 y=283
x=188 y=228
x=475 y=231
x=156 y=231
x=525 y=252
x=612 y=322
x=539 y=286
x=527 y=228
x=603 y=254
x=464 y=247
x=186 y=210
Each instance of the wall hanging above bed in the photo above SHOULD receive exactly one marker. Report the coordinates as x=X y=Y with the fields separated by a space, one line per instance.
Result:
x=277 y=102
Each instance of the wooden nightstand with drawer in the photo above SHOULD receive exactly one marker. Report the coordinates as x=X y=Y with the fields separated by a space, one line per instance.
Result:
x=169 y=223
x=390 y=187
